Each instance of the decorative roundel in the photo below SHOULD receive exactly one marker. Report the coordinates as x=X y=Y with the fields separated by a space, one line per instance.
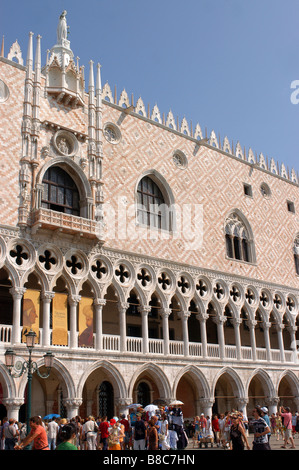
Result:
x=4 y=92
x=291 y=304
x=251 y=296
x=144 y=277
x=184 y=284
x=265 y=299
x=75 y=263
x=202 y=287
x=219 y=291
x=236 y=294
x=99 y=269
x=180 y=159
x=123 y=273
x=166 y=282
x=49 y=259
x=21 y=254
x=112 y=133
x=65 y=143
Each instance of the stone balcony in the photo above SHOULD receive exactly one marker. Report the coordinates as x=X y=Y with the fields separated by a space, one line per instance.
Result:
x=65 y=223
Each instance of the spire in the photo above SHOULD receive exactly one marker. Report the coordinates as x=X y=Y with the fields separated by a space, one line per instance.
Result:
x=37 y=65
x=99 y=80
x=91 y=76
x=29 y=61
x=2 y=47
x=98 y=87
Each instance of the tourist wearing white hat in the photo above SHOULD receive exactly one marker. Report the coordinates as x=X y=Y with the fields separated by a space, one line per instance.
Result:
x=265 y=416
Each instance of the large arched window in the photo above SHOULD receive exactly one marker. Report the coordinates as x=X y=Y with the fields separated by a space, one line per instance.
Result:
x=239 y=242
x=60 y=193
x=152 y=208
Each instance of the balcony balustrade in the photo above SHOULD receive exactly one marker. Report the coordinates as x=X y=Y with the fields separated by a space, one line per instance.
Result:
x=134 y=345
x=66 y=223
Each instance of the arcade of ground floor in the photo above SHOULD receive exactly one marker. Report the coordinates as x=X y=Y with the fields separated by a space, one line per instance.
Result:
x=83 y=385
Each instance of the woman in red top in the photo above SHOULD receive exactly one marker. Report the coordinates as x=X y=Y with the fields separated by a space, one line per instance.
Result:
x=216 y=428
x=37 y=434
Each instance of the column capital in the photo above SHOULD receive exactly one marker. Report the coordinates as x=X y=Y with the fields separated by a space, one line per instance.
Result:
x=184 y=314
x=165 y=312
x=280 y=326
x=272 y=401
x=236 y=321
x=243 y=401
x=17 y=292
x=47 y=295
x=205 y=402
x=72 y=402
x=74 y=299
x=202 y=317
x=144 y=309
x=101 y=302
x=220 y=320
x=12 y=403
x=122 y=306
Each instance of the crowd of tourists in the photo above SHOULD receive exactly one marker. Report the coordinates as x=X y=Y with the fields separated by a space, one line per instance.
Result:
x=159 y=429
x=230 y=430
x=162 y=428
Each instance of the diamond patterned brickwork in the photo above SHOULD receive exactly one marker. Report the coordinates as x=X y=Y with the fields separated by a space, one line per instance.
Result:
x=213 y=180
x=11 y=114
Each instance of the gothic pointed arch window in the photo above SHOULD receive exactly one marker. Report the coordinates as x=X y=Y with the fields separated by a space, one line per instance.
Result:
x=239 y=239
x=153 y=204
x=60 y=192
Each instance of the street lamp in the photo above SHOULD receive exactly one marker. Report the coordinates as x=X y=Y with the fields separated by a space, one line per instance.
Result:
x=28 y=366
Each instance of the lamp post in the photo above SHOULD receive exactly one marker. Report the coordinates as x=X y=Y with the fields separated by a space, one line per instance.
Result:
x=28 y=366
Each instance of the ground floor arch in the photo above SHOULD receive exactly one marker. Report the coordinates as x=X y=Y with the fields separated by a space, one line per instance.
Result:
x=107 y=388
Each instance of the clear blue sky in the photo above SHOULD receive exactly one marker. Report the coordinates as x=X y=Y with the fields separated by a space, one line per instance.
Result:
x=226 y=64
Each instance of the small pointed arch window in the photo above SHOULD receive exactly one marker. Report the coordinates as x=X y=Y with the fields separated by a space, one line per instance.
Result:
x=153 y=207
x=238 y=239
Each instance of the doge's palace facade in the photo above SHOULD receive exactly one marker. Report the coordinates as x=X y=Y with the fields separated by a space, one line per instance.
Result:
x=153 y=260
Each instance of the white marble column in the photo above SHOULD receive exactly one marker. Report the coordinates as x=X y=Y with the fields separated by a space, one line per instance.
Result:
x=292 y=330
x=267 y=326
x=237 y=322
x=279 y=329
x=98 y=310
x=184 y=318
x=73 y=303
x=165 y=312
x=252 y=324
x=202 y=317
x=220 y=331
x=46 y=303
x=122 y=308
x=144 y=311
x=17 y=295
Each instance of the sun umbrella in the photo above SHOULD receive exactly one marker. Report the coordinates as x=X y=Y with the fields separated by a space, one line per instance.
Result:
x=151 y=408
x=53 y=415
x=175 y=403
x=135 y=405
